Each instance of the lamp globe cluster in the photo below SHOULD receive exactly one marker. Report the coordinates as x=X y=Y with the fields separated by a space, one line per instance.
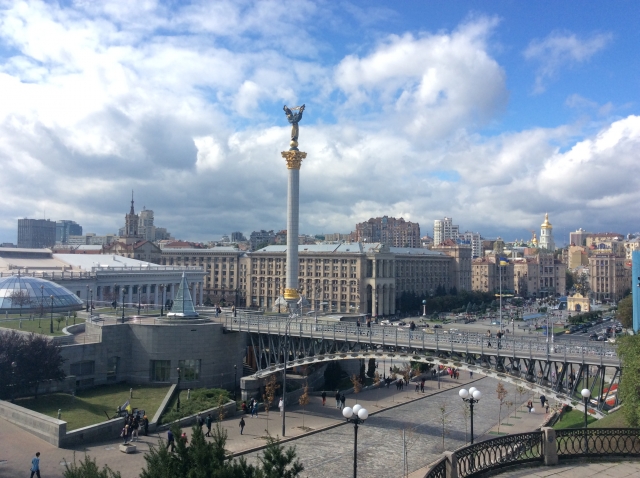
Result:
x=473 y=392
x=357 y=410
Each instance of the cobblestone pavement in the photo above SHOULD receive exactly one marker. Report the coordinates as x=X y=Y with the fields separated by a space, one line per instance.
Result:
x=621 y=469
x=329 y=454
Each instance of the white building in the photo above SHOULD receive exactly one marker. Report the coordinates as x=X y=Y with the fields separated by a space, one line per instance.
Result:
x=474 y=239
x=444 y=229
x=546 y=235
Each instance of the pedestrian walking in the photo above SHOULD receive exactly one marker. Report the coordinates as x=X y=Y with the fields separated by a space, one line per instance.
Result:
x=470 y=374
x=530 y=405
x=241 y=425
x=337 y=399
x=35 y=465
x=251 y=407
x=135 y=426
x=184 y=437
x=125 y=434
x=171 y=441
x=281 y=406
x=254 y=410
x=422 y=385
x=208 y=422
x=324 y=397
x=343 y=401
x=543 y=399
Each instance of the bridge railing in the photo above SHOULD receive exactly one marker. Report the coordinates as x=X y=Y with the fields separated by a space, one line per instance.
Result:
x=547 y=446
x=401 y=337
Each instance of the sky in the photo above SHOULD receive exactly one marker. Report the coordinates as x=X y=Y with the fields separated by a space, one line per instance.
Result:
x=492 y=112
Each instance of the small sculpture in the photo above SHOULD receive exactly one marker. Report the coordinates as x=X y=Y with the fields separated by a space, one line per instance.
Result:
x=294 y=119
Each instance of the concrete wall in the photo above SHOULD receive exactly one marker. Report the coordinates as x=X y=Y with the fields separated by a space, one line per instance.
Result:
x=46 y=428
x=99 y=432
x=136 y=345
x=228 y=410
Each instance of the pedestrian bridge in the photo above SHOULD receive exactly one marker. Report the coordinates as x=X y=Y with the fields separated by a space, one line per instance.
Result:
x=558 y=370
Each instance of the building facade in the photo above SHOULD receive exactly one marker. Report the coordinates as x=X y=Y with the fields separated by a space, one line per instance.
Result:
x=36 y=233
x=390 y=231
x=65 y=228
x=609 y=276
x=444 y=229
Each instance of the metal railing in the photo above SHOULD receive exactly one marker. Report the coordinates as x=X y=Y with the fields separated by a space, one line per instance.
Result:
x=401 y=337
x=438 y=470
x=499 y=452
x=575 y=443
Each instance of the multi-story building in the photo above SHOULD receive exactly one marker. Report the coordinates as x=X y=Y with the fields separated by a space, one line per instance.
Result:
x=487 y=274
x=237 y=236
x=145 y=225
x=66 y=228
x=258 y=238
x=577 y=256
x=223 y=280
x=473 y=239
x=579 y=237
x=609 y=276
x=444 y=229
x=337 y=237
x=390 y=231
x=462 y=262
x=349 y=277
x=36 y=233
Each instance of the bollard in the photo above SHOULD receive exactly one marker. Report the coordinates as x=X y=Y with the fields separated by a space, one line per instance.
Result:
x=188 y=393
x=59 y=413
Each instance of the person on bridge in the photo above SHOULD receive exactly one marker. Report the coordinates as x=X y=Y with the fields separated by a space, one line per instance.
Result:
x=343 y=401
x=337 y=399
x=543 y=399
x=324 y=397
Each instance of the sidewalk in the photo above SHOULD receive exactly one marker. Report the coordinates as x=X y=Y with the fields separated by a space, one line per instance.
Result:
x=18 y=446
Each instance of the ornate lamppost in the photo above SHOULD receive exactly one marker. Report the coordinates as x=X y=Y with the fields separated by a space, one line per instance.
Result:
x=41 y=302
x=13 y=381
x=471 y=396
x=91 y=304
x=361 y=414
x=235 y=380
x=87 y=309
x=138 y=300
x=162 y=289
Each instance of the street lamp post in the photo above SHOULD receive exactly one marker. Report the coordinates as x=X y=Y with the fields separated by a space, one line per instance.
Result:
x=178 y=387
x=138 y=300
x=235 y=380
x=586 y=393
x=91 y=304
x=51 y=323
x=361 y=414
x=87 y=299
x=123 y=305
x=41 y=302
x=471 y=396
x=13 y=381
x=424 y=308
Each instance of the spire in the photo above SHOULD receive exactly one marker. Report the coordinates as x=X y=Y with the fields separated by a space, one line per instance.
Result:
x=132 y=211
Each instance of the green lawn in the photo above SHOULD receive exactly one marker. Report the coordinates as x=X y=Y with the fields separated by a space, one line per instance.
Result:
x=39 y=325
x=572 y=419
x=613 y=420
x=89 y=406
x=200 y=399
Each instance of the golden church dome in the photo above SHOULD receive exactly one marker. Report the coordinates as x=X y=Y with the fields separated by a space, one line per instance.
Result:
x=546 y=224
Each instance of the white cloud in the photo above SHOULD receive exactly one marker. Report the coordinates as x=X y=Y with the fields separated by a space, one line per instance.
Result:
x=184 y=108
x=562 y=50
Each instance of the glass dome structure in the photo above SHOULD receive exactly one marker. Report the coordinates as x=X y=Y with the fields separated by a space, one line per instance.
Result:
x=31 y=293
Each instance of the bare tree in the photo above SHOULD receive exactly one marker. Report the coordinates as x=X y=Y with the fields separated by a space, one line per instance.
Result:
x=521 y=391
x=21 y=298
x=269 y=394
x=502 y=395
x=357 y=385
x=304 y=400
x=443 y=421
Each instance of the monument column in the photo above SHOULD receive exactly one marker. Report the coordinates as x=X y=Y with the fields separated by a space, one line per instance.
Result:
x=293 y=158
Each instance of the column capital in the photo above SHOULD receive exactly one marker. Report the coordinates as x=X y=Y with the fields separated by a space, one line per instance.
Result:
x=294 y=158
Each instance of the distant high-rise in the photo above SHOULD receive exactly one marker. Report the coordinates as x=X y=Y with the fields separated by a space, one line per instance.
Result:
x=65 y=228
x=390 y=231
x=444 y=229
x=36 y=233
x=474 y=239
x=237 y=236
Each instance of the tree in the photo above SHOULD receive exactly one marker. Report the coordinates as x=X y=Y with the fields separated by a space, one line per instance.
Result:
x=59 y=319
x=625 y=311
x=88 y=469
x=568 y=280
x=502 y=396
x=270 y=394
x=443 y=421
x=357 y=386
x=581 y=284
x=304 y=400
x=279 y=463
x=37 y=360
x=20 y=297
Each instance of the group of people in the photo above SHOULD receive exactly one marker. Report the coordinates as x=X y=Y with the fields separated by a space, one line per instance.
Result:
x=251 y=408
x=544 y=403
x=340 y=400
x=133 y=423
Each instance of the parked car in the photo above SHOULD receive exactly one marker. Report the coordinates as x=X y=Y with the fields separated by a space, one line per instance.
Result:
x=437 y=326
x=593 y=337
x=602 y=338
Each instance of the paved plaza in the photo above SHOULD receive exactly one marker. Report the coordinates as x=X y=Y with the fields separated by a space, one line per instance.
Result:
x=577 y=469
x=328 y=450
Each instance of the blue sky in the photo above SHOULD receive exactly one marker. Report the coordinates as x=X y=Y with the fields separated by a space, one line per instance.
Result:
x=490 y=112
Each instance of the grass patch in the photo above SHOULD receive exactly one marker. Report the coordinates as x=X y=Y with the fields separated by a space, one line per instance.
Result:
x=498 y=433
x=39 y=325
x=572 y=419
x=201 y=399
x=613 y=420
x=89 y=406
